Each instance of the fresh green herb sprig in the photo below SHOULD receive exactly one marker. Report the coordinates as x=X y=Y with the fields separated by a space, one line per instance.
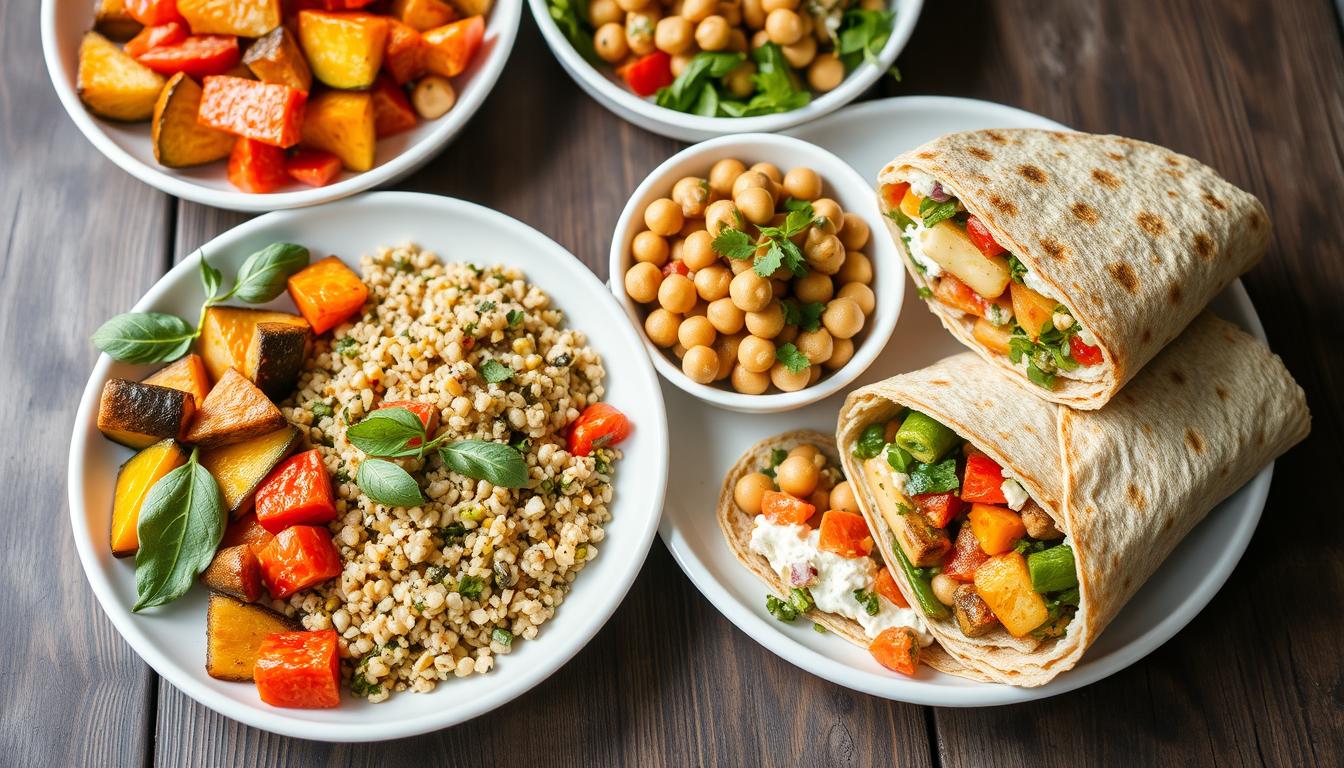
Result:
x=1049 y=354
x=1017 y=271
x=694 y=89
x=799 y=601
x=939 y=477
x=868 y=600
x=777 y=87
x=792 y=358
x=862 y=36
x=774 y=249
x=870 y=443
x=155 y=337
x=777 y=457
x=181 y=523
x=932 y=213
x=806 y=316
x=571 y=16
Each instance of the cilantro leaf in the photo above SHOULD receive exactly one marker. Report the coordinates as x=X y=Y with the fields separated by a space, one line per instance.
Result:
x=514 y=317
x=940 y=477
x=494 y=371
x=792 y=359
x=806 y=316
x=898 y=216
x=688 y=90
x=868 y=600
x=1016 y=270
x=773 y=259
x=776 y=88
x=734 y=243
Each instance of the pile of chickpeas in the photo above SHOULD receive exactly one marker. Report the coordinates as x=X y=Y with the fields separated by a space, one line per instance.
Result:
x=805 y=474
x=722 y=320
x=628 y=29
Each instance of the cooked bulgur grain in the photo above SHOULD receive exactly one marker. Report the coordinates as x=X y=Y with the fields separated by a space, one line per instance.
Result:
x=439 y=590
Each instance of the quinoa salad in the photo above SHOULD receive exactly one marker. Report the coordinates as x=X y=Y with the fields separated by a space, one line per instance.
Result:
x=440 y=589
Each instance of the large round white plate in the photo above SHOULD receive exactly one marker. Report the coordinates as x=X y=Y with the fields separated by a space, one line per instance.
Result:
x=172 y=639
x=64 y=23
x=706 y=442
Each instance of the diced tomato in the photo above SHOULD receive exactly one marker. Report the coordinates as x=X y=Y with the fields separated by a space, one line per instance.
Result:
x=676 y=267
x=152 y=37
x=783 y=509
x=598 y=426
x=648 y=73
x=299 y=557
x=313 y=167
x=966 y=555
x=982 y=239
x=983 y=481
x=257 y=167
x=268 y=112
x=897 y=649
x=428 y=415
x=886 y=587
x=246 y=530
x=894 y=193
x=958 y=295
x=199 y=56
x=299 y=670
x=345 y=5
x=845 y=534
x=1082 y=352
x=297 y=492
x=152 y=13
x=938 y=508
x=448 y=50
x=392 y=111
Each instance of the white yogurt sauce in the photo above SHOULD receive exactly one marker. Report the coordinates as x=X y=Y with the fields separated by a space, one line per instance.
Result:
x=920 y=182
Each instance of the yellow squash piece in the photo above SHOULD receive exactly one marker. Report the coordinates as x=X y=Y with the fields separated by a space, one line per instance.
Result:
x=234 y=631
x=344 y=50
x=134 y=480
x=180 y=141
x=910 y=204
x=245 y=18
x=114 y=85
x=422 y=14
x=239 y=468
x=341 y=122
x=227 y=332
x=1004 y=583
x=276 y=58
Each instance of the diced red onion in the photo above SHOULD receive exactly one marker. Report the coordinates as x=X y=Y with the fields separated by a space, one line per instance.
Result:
x=801 y=574
x=937 y=194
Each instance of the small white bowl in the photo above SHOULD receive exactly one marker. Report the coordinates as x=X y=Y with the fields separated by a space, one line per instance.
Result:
x=64 y=23
x=606 y=86
x=841 y=183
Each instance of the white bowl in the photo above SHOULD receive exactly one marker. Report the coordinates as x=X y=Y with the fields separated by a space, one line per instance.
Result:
x=609 y=90
x=64 y=23
x=841 y=183
x=172 y=639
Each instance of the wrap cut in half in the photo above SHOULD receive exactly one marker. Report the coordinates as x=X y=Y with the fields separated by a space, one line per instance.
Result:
x=1067 y=259
x=1121 y=486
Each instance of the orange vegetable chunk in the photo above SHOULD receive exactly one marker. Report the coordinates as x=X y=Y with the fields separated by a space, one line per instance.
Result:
x=300 y=670
x=886 y=587
x=392 y=111
x=257 y=167
x=996 y=528
x=267 y=112
x=404 y=56
x=327 y=293
x=299 y=557
x=297 y=492
x=449 y=49
x=187 y=375
x=897 y=649
x=845 y=534
x=783 y=509
x=313 y=167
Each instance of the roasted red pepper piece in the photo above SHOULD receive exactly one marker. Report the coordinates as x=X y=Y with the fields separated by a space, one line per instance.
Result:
x=598 y=426
x=257 y=167
x=298 y=492
x=980 y=236
x=298 y=557
x=966 y=555
x=783 y=509
x=983 y=481
x=313 y=167
x=268 y=112
x=897 y=649
x=676 y=267
x=152 y=37
x=886 y=587
x=648 y=73
x=152 y=13
x=845 y=534
x=428 y=415
x=938 y=508
x=894 y=192
x=1084 y=353
x=299 y=670
x=199 y=56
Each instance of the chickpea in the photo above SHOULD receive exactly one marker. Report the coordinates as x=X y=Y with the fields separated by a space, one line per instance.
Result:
x=609 y=42
x=678 y=62
x=649 y=247
x=639 y=27
x=802 y=184
x=749 y=489
x=738 y=266
x=749 y=382
x=828 y=209
x=731 y=11
x=750 y=292
x=756 y=354
x=701 y=365
x=768 y=322
x=753 y=14
x=801 y=53
x=854 y=233
x=692 y=195
x=677 y=294
x=678 y=350
x=719 y=215
x=842 y=317
x=813 y=287
x=873 y=5
x=674 y=34
x=724 y=315
x=944 y=588
x=713 y=33
x=816 y=345
x=755 y=203
x=813 y=374
x=697 y=11
x=858 y=268
x=770 y=5
x=642 y=281
x=811 y=452
x=739 y=80
x=788 y=335
x=723 y=174
x=784 y=28
x=819 y=499
x=749 y=179
x=797 y=476
x=661 y=327
x=690 y=227
x=860 y=294
x=841 y=352
x=825 y=73
x=630 y=6
x=842 y=497
x=697 y=250
x=603 y=12
x=726 y=348
x=759 y=39
x=696 y=331
x=663 y=217
x=824 y=253
x=790 y=381
x=711 y=283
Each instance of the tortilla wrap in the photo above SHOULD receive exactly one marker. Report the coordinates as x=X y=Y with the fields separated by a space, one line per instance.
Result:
x=1125 y=484
x=1133 y=238
x=737 y=524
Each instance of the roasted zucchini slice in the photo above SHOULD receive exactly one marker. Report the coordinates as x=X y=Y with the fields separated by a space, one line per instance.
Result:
x=139 y=415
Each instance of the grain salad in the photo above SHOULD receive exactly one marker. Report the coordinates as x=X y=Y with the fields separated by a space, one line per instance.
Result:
x=439 y=590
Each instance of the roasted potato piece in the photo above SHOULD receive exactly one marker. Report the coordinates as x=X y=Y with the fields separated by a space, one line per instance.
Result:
x=134 y=480
x=1004 y=583
x=392 y=112
x=344 y=50
x=239 y=468
x=1039 y=524
x=973 y=615
x=235 y=572
x=234 y=411
x=114 y=85
x=422 y=14
x=138 y=415
x=111 y=18
x=275 y=357
x=341 y=122
x=233 y=633
x=276 y=58
x=226 y=333
x=953 y=250
x=180 y=141
x=996 y=338
x=1031 y=309
x=922 y=543
x=187 y=374
x=245 y=18
x=474 y=7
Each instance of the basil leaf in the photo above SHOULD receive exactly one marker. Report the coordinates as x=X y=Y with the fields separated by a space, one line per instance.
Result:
x=932 y=213
x=495 y=372
x=387 y=483
x=776 y=88
x=144 y=337
x=210 y=278
x=862 y=36
x=495 y=463
x=571 y=16
x=263 y=275
x=707 y=104
x=388 y=432
x=939 y=477
x=898 y=458
x=181 y=524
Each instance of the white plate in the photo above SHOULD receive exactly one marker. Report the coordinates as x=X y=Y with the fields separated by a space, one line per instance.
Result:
x=705 y=442
x=172 y=639
x=64 y=23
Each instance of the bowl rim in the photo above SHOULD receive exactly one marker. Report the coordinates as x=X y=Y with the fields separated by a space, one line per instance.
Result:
x=502 y=21
x=843 y=181
x=680 y=124
x=581 y=281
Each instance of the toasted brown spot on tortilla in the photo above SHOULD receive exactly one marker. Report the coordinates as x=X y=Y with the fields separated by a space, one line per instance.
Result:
x=1006 y=207
x=1171 y=193
x=1151 y=223
x=1032 y=173
x=1173 y=162
x=1257 y=221
x=1259 y=438
x=1085 y=213
x=1029 y=429
x=1222 y=393
x=996 y=137
x=925 y=155
x=1105 y=178
x=1054 y=248
x=1173 y=173
x=1116 y=156
x=1115 y=559
x=1176 y=377
x=1146 y=335
x=982 y=154
x=940 y=382
x=1147 y=430
x=1124 y=274
x=1166 y=524
x=1213 y=200
x=1174 y=293
x=1222 y=471
x=1095 y=297
x=1195 y=442
x=1204 y=246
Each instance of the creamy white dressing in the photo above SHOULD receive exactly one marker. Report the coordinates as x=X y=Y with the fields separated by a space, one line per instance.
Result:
x=920 y=182
x=790 y=547
x=930 y=267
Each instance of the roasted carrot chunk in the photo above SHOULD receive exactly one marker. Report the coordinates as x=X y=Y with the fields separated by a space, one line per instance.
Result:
x=404 y=56
x=327 y=293
x=299 y=670
x=897 y=649
x=256 y=167
x=313 y=167
x=783 y=509
x=246 y=530
x=267 y=112
x=449 y=49
x=886 y=587
x=298 y=557
x=297 y=492
x=996 y=528
x=152 y=37
x=392 y=111
x=845 y=534
x=198 y=56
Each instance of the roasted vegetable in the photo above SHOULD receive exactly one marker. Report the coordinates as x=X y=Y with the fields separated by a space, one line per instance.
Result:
x=422 y=14
x=392 y=112
x=276 y=58
x=236 y=572
x=297 y=492
x=313 y=167
x=138 y=415
x=180 y=141
x=226 y=335
x=897 y=649
x=1004 y=583
x=404 y=55
x=114 y=85
x=948 y=246
x=300 y=557
x=341 y=122
x=449 y=49
x=782 y=509
x=111 y=18
x=844 y=534
x=134 y=480
x=966 y=555
x=234 y=632
x=996 y=528
x=982 y=482
x=153 y=12
x=256 y=167
x=474 y=7
x=994 y=337
x=1038 y=522
x=300 y=669
x=973 y=614
x=245 y=18
x=246 y=530
x=267 y=112
x=199 y=56
x=239 y=468
x=327 y=293
x=1032 y=310
x=275 y=357
x=344 y=50
x=921 y=542
x=187 y=374
x=234 y=411
x=171 y=33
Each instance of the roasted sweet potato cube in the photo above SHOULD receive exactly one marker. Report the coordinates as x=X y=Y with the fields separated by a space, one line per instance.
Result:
x=973 y=614
x=267 y=112
x=138 y=415
x=246 y=530
x=226 y=334
x=134 y=480
x=114 y=85
x=152 y=13
x=1004 y=583
x=235 y=572
x=245 y=18
x=111 y=18
x=255 y=167
x=313 y=167
x=275 y=357
x=187 y=374
x=404 y=57
x=449 y=49
x=179 y=141
x=422 y=14
x=276 y=58
x=474 y=7
x=327 y=292
x=344 y=50
x=300 y=670
x=239 y=468
x=234 y=631
x=234 y=411
x=341 y=122
x=199 y=56
x=392 y=111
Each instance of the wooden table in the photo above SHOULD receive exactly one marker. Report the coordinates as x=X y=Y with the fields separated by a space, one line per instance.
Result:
x=1254 y=87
